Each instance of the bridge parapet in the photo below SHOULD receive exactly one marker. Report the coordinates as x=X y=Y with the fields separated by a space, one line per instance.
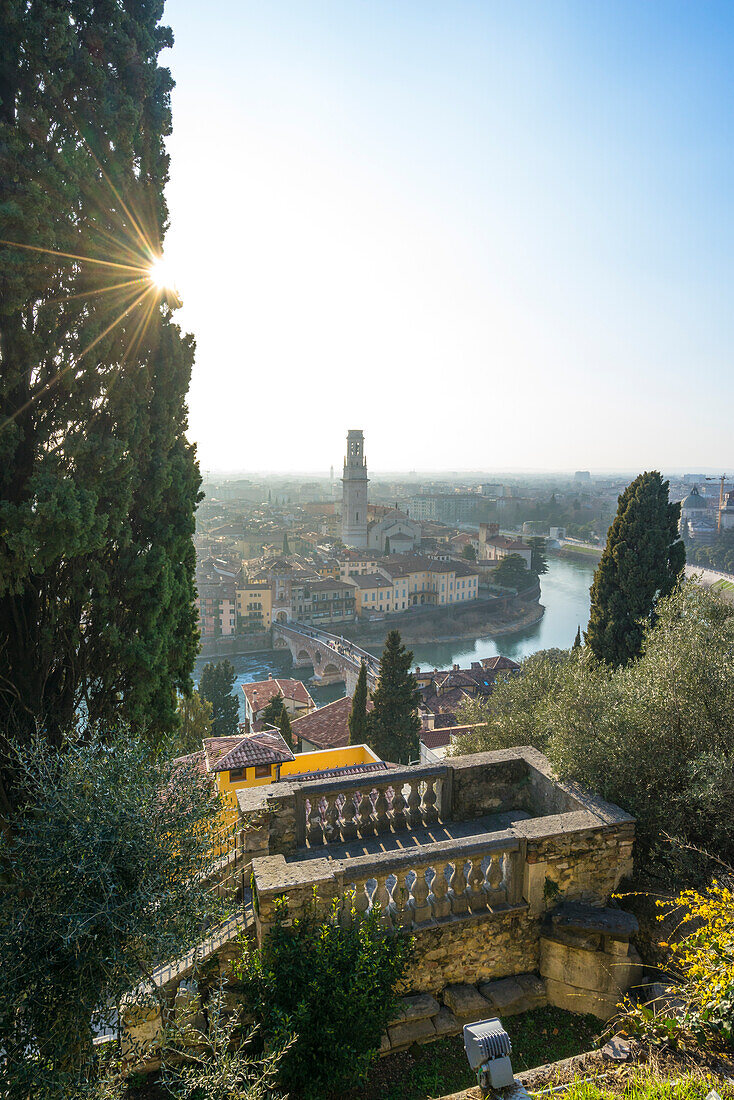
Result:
x=333 y=658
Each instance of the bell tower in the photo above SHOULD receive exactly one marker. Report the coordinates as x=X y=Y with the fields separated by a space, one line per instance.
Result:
x=354 y=492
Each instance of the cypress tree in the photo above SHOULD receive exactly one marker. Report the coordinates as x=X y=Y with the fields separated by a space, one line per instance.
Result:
x=273 y=710
x=98 y=484
x=286 y=730
x=577 y=639
x=643 y=561
x=358 y=713
x=393 y=724
x=217 y=681
x=286 y=547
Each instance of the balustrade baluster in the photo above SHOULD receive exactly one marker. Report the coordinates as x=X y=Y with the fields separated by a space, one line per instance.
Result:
x=332 y=831
x=383 y=898
x=430 y=813
x=349 y=810
x=415 y=817
x=399 y=806
x=418 y=901
x=382 y=825
x=496 y=891
x=315 y=828
x=401 y=898
x=457 y=889
x=366 y=823
x=438 y=897
x=477 y=896
x=361 y=899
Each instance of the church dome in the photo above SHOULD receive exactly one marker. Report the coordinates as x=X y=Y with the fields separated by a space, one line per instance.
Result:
x=693 y=500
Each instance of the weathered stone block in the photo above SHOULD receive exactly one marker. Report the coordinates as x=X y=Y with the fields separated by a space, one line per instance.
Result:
x=593 y=970
x=446 y=1023
x=410 y=1031
x=534 y=988
x=419 y=1006
x=467 y=1003
x=583 y=1001
x=510 y=996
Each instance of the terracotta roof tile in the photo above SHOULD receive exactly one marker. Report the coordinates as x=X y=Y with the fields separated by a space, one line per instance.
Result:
x=254 y=748
x=328 y=726
x=259 y=693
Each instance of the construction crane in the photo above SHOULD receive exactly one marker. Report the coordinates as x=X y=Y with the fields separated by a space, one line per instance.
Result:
x=721 y=481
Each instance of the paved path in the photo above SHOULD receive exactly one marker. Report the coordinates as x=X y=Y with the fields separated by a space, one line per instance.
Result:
x=395 y=842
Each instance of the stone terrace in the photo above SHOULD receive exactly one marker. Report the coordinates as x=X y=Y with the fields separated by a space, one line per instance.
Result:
x=470 y=854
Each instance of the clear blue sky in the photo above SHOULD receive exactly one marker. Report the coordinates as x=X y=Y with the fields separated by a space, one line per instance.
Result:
x=489 y=234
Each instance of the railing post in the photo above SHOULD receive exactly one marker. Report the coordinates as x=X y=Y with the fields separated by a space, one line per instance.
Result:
x=447 y=794
x=300 y=819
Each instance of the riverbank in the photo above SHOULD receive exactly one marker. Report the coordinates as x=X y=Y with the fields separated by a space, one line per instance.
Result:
x=481 y=618
x=586 y=554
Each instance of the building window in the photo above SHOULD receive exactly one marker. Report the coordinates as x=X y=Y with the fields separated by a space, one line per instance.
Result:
x=236 y=773
x=262 y=771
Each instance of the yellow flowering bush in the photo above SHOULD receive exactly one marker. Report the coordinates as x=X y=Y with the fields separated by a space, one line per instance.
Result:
x=704 y=958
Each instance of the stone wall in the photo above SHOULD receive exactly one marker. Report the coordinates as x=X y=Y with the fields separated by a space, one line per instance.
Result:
x=472 y=949
x=483 y=784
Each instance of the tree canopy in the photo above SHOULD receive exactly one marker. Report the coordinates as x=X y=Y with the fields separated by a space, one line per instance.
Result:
x=655 y=736
x=642 y=562
x=393 y=724
x=273 y=710
x=98 y=483
x=512 y=572
x=358 y=714
x=195 y=724
x=538 y=555
x=215 y=686
x=286 y=730
x=107 y=860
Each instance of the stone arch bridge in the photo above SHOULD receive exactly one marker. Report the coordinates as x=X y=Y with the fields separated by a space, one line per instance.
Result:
x=333 y=658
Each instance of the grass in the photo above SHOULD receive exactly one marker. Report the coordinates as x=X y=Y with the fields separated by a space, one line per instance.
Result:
x=723 y=585
x=545 y=1035
x=645 y=1084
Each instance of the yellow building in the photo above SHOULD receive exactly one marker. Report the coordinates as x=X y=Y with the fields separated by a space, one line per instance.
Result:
x=256 y=759
x=405 y=581
x=254 y=601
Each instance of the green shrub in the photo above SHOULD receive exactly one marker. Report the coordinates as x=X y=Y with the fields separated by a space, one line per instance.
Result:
x=655 y=736
x=332 y=987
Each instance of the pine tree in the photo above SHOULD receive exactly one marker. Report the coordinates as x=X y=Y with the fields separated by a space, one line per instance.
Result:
x=577 y=639
x=217 y=681
x=98 y=484
x=286 y=730
x=358 y=713
x=393 y=724
x=272 y=712
x=643 y=561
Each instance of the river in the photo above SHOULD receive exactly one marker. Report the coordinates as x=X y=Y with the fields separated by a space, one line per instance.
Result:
x=564 y=594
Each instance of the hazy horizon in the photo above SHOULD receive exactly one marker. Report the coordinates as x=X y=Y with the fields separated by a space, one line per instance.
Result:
x=492 y=234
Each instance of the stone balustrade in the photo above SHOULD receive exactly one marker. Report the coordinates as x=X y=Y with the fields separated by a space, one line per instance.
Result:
x=417 y=886
x=414 y=887
x=336 y=811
